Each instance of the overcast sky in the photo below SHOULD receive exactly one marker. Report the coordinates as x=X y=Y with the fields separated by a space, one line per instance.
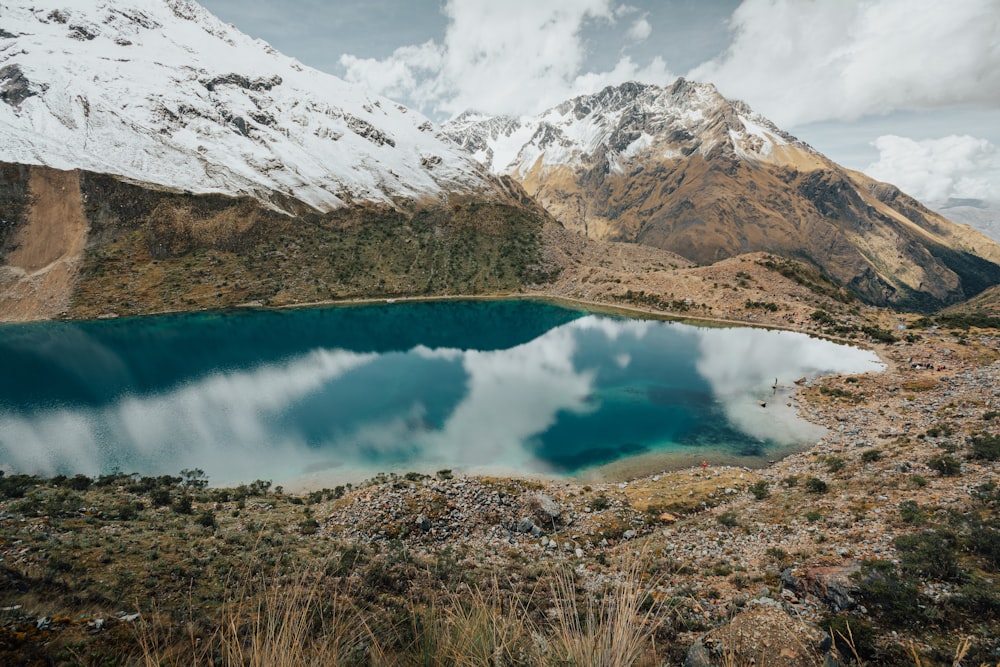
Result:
x=906 y=90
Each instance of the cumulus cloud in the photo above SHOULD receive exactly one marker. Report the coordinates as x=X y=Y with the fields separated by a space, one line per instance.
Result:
x=517 y=57
x=800 y=62
x=933 y=170
x=640 y=30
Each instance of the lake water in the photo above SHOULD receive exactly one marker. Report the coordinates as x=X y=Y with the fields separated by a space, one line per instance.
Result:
x=484 y=386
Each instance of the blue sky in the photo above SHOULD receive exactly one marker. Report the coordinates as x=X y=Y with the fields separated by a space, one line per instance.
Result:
x=907 y=90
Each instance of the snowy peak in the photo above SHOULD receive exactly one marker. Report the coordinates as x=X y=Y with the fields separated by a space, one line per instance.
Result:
x=621 y=124
x=163 y=92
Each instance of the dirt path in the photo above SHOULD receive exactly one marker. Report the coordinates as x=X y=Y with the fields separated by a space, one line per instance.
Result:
x=38 y=278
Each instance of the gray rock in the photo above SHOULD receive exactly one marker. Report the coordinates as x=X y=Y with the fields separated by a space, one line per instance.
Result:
x=423 y=523
x=545 y=509
x=628 y=534
x=524 y=525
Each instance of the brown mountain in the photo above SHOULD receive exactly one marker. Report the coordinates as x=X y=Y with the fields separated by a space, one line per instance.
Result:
x=684 y=169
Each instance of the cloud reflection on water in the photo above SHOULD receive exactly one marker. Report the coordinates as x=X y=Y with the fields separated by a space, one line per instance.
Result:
x=236 y=425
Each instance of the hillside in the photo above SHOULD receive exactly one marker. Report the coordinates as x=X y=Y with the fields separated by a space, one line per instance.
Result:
x=684 y=169
x=95 y=245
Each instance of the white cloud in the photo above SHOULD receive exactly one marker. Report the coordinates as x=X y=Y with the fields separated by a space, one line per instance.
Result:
x=799 y=62
x=640 y=30
x=518 y=57
x=933 y=170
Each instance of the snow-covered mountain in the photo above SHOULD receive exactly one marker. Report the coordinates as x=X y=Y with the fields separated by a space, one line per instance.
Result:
x=685 y=169
x=161 y=91
x=624 y=124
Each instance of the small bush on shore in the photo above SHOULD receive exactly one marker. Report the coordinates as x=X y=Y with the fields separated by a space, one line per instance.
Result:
x=816 y=485
x=760 y=489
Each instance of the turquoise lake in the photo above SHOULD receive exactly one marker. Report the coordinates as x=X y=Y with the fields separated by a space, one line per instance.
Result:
x=340 y=392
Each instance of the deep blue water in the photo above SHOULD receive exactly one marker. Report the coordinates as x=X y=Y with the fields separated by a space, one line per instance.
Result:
x=494 y=386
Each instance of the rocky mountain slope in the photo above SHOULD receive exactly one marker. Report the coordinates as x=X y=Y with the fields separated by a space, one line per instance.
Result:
x=684 y=169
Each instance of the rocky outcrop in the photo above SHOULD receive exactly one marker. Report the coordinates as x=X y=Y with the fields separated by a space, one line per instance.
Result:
x=762 y=635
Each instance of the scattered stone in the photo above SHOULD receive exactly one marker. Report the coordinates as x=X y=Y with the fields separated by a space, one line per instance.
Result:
x=762 y=635
x=524 y=525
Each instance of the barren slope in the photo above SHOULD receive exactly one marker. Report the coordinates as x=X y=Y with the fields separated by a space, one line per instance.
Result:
x=38 y=275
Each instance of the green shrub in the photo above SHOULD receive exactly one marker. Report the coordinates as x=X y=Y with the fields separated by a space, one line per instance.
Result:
x=128 y=511
x=932 y=554
x=987 y=493
x=946 y=464
x=78 y=483
x=728 y=519
x=160 y=497
x=852 y=635
x=822 y=317
x=194 y=479
x=816 y=485
x=790 y=481
x=760 y=489
x=599 y=503
x=206 y=519
x=778 y=554
x=183 y=505
x=15 y=486
x=985 y=446
x=878 y=334
x=918 y=481
x=834 y=463
x=812 y=516
x=979 y=598
x=938 y=430
x=871 y=456
x=985 y=542
x=911 y=513
x=894 y=598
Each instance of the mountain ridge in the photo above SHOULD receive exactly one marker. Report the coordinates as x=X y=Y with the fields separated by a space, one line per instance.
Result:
x=165 y=93
x=684 y=169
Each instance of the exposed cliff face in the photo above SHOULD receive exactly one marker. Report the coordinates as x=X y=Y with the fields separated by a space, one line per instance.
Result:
x=684 y=169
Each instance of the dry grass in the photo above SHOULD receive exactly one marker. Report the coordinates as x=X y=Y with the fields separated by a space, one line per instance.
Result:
x=614 y=630
x=287 y=625
x=284 y=625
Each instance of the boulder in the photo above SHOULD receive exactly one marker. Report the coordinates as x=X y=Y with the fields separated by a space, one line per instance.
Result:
x=834 y=585
x=545 y=509
x=762 y=635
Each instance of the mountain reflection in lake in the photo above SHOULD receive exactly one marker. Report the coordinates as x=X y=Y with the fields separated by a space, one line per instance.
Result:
x=499 y=387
